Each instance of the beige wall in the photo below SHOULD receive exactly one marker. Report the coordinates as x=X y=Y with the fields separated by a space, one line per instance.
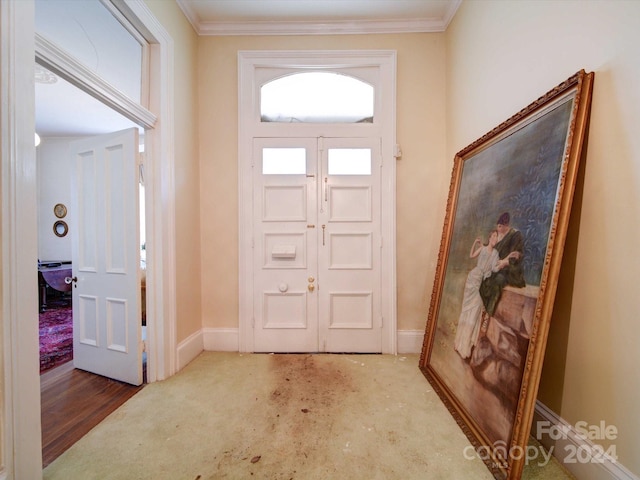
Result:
x=187 y=190
x=500 y=57
x=420 y=173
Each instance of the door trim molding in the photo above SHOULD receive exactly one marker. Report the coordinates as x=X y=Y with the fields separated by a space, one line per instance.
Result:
x=21 y=444
x=249 y=127
x=160 y=193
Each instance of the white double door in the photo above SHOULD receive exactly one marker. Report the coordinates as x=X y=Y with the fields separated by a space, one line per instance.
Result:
x=317 y=245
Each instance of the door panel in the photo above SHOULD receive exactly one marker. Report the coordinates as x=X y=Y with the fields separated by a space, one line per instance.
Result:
x=349 y=265
x=317 y=245
x=107 y=326
x=285 y=250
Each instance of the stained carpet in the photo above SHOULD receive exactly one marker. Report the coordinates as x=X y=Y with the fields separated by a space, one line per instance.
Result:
x=301 y=417
x=56 y=337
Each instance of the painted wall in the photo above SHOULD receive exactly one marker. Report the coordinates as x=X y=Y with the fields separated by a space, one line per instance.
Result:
x=54 y=186
x=501 y=56
x=187 y=190
x=420 y=172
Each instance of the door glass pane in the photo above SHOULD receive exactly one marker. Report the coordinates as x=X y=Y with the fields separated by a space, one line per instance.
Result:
x=315 y=97
x=284 y=161
x=349 y=161
x=87 y=31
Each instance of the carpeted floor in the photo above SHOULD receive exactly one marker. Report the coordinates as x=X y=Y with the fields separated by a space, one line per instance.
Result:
x=235 y=416
x=56 y=337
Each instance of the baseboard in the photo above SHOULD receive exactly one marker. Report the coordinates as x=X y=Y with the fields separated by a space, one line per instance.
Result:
x=221 y=339
x=189 y=349
x=580 y=455
x=227 y=340
x=410 y=341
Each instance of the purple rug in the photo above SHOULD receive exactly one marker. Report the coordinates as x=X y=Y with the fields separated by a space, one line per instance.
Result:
x=56 y=337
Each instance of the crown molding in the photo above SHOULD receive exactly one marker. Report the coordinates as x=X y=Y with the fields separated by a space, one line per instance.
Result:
x=342 y=27
x=320 y=28
x=190 y=13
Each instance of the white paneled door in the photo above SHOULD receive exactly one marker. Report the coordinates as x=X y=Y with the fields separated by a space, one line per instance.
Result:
x=107 y=328
x=317 y=245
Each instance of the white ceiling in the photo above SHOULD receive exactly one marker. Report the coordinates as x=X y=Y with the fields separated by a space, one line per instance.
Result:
x=63 y=110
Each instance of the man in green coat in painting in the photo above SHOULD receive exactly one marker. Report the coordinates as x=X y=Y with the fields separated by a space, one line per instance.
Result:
x=510 y=248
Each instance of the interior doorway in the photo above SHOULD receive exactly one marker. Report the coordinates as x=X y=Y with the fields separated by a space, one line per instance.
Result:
x=55 y=197
x=74 y=401
x=22 y=446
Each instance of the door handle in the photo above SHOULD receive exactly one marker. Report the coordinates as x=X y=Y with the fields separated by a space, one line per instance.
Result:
x=69 y=280
x=311 y=287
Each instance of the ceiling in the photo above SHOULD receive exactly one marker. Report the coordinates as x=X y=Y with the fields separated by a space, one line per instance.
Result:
x=63 y=110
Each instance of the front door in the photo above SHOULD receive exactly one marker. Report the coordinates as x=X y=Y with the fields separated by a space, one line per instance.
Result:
x=317 y=245
x=107 y=328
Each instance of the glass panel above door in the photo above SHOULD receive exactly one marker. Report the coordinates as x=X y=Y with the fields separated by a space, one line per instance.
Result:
x=317 y=97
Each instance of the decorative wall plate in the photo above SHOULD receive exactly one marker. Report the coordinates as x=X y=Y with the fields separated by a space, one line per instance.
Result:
x=60 y=228
x=60 y=210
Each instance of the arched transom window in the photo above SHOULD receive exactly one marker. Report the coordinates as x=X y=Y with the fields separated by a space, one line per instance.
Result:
x=317 y=97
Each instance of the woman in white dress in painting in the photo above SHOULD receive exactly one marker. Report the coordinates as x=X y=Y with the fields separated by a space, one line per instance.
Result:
x=470 y=317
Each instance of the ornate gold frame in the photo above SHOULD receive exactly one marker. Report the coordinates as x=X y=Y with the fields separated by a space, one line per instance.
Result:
x=527 y=165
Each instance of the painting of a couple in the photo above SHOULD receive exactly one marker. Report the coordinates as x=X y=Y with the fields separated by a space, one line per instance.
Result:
x=499 y=264
x=491 y=304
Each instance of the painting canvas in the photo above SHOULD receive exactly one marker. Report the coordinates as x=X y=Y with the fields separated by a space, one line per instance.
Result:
x=500 y=254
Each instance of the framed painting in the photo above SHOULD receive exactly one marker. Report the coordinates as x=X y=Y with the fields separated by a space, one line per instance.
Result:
x=501 y=249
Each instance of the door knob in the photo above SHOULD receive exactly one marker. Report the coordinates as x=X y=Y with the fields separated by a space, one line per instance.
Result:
x=69 y=280
x=311 y=287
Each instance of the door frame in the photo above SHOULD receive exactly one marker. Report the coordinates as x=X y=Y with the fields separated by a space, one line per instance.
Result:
x=21 y=444
x=249 y=126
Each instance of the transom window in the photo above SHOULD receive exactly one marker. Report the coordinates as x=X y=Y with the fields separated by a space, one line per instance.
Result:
x=317 y=97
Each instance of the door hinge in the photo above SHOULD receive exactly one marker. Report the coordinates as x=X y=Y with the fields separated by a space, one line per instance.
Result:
x=397 y=151
x=144 y=345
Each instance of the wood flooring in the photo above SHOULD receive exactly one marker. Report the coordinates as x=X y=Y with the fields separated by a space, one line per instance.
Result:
x=73 y=402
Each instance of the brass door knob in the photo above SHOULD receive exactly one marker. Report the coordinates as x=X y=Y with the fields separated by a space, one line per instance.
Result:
x=311 y=287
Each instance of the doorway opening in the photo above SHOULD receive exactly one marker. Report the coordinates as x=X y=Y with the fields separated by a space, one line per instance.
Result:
x=22 y=446
x=317 y=243
x=72 y=401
